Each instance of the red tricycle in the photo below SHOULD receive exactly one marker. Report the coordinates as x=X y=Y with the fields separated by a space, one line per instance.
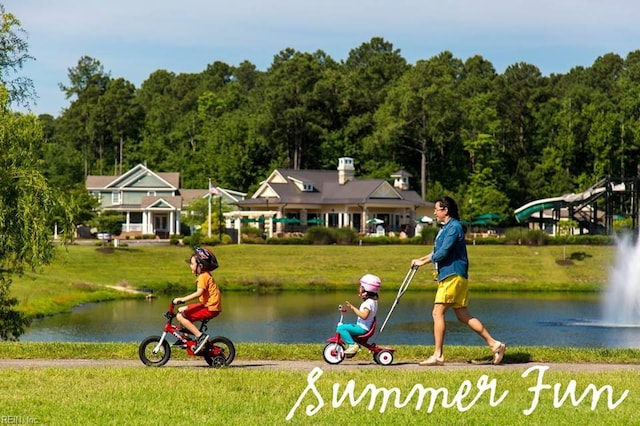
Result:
x=156 y=350
x=334 y=351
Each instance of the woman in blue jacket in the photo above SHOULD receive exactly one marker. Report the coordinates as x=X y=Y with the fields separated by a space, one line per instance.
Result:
x=451 y=262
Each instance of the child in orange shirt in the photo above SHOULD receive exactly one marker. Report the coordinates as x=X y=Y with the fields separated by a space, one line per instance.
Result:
x=202 y=263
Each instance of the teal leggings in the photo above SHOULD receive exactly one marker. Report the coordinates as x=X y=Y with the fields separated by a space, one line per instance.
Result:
x=349 y=331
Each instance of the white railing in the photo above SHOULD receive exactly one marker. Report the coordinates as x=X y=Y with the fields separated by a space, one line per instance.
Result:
x=132 y=227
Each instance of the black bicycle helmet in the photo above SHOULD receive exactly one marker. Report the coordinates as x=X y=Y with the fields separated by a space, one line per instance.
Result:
x=205 y=258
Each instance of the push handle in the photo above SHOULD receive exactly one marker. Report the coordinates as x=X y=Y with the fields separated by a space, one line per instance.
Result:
x=403 y=287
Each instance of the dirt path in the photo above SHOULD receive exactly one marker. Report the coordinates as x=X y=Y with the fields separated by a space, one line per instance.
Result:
x=303 y=365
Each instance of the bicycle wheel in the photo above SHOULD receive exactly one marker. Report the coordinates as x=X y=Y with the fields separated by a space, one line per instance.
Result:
x=151 y=358
x=220 y=352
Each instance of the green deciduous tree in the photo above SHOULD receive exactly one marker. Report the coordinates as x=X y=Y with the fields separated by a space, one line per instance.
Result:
x=422 y=115
x=297 y=118
x=14 y=53
x=84 y=127
x=122 y=116
x=27 y=204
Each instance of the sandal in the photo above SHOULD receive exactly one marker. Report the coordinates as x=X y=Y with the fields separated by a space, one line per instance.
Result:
x=432 y=361
x=498 y=353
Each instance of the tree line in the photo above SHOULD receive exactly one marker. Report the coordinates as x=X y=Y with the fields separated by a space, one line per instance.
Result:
x=493 y=140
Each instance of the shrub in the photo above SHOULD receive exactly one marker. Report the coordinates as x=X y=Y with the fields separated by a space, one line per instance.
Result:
x=428 y=234
x=526 y=236
x=320 y=235
x=288 y=240
x=487 y=241
x=586 y=239
x=344 y=235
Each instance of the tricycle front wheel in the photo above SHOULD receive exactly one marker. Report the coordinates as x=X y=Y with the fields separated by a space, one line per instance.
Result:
x=333 y=353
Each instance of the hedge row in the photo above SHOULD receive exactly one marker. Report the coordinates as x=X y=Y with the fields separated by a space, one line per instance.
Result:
x=348 y=236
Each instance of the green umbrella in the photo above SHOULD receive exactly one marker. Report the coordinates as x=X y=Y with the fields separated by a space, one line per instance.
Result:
x=488 y=216
x=286 y=220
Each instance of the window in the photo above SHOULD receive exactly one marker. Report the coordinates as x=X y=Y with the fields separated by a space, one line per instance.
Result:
x=115 y=198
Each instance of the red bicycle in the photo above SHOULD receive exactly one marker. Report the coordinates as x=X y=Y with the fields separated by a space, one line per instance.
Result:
x=333 y=352
x=155 y=351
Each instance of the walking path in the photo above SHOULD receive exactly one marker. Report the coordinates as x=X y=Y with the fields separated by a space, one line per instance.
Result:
x=304 y=365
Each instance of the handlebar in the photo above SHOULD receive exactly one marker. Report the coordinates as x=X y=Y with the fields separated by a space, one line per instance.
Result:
x=171 y=312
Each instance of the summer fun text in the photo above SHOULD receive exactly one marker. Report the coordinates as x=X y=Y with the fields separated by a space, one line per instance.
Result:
x=466 y=396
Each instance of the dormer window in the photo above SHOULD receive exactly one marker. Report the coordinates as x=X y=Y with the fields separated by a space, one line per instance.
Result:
x=303 y=186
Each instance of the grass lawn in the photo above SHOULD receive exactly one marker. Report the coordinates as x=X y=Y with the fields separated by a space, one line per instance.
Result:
x=526 y=392
x=152 y=396
x=527 y=395
x=82 y=274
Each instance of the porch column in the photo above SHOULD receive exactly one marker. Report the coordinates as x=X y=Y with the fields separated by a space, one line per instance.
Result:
x=237 y=224
x=146 y=228
x=172 y=227
x=144 y=222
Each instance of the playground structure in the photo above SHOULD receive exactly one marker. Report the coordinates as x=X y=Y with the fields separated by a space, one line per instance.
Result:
x=594 y=209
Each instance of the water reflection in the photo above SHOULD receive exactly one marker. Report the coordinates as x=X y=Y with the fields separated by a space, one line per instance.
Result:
x=311 y=318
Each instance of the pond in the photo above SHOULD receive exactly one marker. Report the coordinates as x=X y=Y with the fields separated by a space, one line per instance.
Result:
x=311 y=318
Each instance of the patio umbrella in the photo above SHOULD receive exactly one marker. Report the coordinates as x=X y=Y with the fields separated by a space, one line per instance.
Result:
x=486 y=219
x=424 y=219
x=286 y=220
x=482 y=222
x=375 y=221
x=488 y=216
x=315 y=221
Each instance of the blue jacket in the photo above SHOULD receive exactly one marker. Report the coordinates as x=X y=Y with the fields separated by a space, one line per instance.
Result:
x=450 y=251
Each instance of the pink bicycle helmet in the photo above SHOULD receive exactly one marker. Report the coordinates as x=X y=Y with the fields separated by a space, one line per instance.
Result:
x=371 y=283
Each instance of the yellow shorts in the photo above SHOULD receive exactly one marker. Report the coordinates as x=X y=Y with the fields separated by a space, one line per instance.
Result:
x=453 y=291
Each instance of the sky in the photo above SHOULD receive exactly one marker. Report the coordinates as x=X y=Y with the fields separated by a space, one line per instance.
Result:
x=134 y=38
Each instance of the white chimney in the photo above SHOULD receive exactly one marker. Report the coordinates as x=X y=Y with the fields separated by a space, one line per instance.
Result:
x=401 y=180
x=345 y=170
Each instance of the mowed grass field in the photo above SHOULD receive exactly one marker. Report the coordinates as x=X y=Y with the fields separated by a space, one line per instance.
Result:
x=82 y=274
x=525 y=393
x=378 y=396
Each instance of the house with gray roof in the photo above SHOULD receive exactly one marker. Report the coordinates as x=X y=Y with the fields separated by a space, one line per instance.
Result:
x=150 y=202
x=335 y=198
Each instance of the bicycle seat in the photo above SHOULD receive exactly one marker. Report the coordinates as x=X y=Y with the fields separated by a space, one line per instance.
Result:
x=364 y=337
